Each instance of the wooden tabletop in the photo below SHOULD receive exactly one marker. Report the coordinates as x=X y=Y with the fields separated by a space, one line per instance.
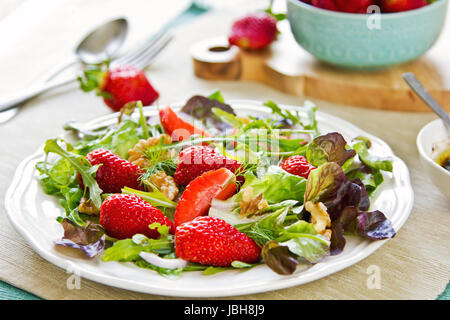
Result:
x=413 y=265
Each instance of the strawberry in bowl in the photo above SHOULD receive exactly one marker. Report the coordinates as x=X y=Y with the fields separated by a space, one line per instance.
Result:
x=358 y=34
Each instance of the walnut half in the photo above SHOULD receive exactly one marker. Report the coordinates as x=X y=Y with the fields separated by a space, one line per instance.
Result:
x=88 y=207
x=166 y=184
x=319 y=218
x=136 y=155
x=249 y=204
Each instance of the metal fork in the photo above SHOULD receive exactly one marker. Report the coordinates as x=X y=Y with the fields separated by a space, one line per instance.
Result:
x=140 y=56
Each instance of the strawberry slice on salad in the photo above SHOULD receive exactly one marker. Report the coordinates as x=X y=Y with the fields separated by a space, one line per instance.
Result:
x=197 y=197
x=178 y=128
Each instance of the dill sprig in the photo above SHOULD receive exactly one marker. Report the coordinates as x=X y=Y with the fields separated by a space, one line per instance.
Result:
x=168 y=166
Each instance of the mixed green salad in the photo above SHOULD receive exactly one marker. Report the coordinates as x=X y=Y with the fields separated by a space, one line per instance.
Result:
x=295 y=221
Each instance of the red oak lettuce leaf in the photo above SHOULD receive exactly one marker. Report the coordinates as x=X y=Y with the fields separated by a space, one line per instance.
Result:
x=90 y=238
x=347 y=202
x=330 y=147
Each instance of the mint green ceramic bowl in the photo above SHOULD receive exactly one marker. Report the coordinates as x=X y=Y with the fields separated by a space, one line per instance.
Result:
x=361 y=41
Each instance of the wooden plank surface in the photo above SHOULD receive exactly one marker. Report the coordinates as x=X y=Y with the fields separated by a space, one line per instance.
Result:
x=413 y=265
x=289 y=68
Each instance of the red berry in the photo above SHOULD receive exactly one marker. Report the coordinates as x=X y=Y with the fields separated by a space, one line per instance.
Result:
x=212 y=241
x=114 y=173
x=197 y=196
x=178 y=128
x=325 y=4
x=355 y=6
x=297 y=165
x=124 y=215
x=401 y=5
x=254 y=31
x=196 y=160
x=126 y=84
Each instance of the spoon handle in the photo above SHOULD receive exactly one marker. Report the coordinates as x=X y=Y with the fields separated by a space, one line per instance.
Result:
x=16 y=100
x=420 y=90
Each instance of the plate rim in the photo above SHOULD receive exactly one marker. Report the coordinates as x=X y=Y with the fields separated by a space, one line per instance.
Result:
x=271 y=285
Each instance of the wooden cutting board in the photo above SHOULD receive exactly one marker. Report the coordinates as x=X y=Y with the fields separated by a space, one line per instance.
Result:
x=289 y=68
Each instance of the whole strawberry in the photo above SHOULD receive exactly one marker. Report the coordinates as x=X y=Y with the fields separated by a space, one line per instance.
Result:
x=255 y=31
x=119 y=85
x=355 y=6
x=297 y=165
x=196 y=160
x=114 y=173
x=325 y=4
x=124 y=215
x=401 y=5
x=212 y=241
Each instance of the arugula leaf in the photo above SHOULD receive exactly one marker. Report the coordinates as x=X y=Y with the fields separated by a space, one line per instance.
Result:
x=217 y=95
x=81 y=164
x=300 y=238
x=283 y=113
x=127 y=250
x=168 y=273
x=362 y=149
x=142 y=120
x=227 y=117
x=311 y=112
x=155 y=197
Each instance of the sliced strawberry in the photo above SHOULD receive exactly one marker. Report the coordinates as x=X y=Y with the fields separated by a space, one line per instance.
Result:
x=178 y=128
x=197 y=196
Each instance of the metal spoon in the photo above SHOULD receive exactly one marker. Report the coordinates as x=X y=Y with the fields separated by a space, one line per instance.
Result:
x=99 y=45
x=422 y=93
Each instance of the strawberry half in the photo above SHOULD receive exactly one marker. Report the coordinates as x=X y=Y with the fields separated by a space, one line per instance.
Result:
x=178 y=128
x=197 y=196
x=119 y=85
x=212 y=241
x=196 y=160
x=124 y=215
x=114 y=173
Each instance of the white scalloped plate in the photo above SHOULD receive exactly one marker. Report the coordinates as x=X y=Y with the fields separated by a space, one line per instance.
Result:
x=33 y=214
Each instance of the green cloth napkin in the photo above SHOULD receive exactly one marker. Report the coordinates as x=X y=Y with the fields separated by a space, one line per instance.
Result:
x=9 y=292
x=446 y=294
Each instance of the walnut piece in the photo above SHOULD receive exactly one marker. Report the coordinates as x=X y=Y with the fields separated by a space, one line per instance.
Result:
x=88 y=207
x=166 y=184
x=319 y=218
x=136 y=155
x=249 y=204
